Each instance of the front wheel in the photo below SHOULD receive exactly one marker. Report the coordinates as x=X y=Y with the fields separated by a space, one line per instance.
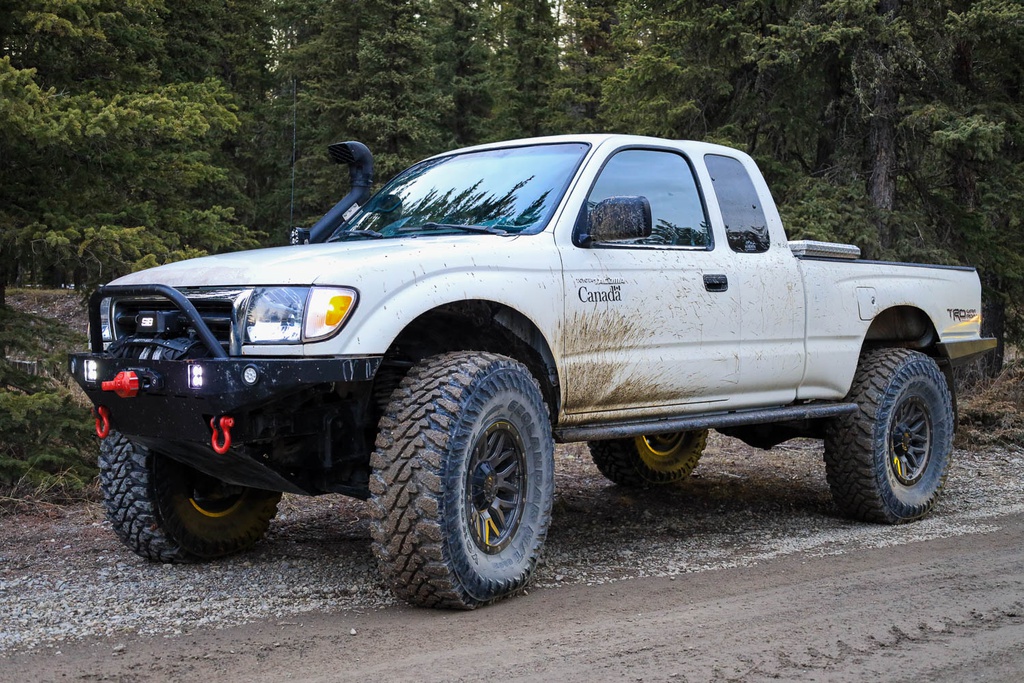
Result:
x=649 y=460
x=888 y=461
x=463 y=481
x=168 y=512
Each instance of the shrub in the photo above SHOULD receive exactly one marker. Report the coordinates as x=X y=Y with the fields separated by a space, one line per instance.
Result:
x=45 y=428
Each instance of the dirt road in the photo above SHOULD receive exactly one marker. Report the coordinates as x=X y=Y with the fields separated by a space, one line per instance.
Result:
x=745 y=574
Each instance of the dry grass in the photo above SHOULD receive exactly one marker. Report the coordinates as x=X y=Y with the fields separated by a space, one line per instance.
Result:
x=992 y=412
x=63 y=305
x=35 y=496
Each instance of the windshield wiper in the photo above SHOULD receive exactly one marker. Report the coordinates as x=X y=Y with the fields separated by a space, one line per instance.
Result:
x=367 y=234
x=431 y=225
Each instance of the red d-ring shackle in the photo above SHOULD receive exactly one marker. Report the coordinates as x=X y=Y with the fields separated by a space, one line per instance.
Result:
x=224 y=424
x=102 y=421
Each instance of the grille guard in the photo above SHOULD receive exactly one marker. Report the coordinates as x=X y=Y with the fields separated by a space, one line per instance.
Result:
x=169 y=293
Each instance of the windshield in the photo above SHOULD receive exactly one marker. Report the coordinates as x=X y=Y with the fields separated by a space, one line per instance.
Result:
x=500 y=191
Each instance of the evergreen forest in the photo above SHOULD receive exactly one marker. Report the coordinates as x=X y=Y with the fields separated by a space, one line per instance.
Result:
x=138 y=132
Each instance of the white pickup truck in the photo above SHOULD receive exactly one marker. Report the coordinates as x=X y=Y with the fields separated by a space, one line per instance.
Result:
x=425 y=347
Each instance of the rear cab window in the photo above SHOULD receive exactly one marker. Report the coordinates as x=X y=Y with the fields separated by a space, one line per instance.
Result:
x=746 y=227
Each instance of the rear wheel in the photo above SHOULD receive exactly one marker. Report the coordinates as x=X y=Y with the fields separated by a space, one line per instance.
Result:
x=168 y=512
x=649 y=460
x=888 y=461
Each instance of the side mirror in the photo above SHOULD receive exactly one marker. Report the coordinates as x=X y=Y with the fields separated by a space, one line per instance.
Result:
x=615 y=219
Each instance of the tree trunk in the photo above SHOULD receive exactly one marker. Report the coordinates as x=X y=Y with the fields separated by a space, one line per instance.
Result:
x=882 y=191
x=993 y=324
x=885 y=100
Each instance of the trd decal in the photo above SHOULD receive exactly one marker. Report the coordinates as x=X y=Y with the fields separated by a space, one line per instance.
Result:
x=961 y=314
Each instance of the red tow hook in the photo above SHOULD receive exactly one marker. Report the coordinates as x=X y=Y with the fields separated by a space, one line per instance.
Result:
x=125 y=384
x=224 y=423
x=102 y=421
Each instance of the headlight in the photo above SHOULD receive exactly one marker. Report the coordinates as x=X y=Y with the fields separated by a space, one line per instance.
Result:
x=275 y=315
x=290 y=315
x=105 y=329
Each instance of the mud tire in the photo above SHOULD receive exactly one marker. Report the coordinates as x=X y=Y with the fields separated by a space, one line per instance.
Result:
x=424 y=485
x=649 y=460
x=150 y=501
x=905 y=415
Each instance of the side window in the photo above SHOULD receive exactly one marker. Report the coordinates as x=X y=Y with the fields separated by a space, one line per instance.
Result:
x=745 y=225
x=667 y=181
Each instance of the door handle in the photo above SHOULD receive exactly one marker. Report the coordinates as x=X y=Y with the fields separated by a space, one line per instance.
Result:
x=716 y=283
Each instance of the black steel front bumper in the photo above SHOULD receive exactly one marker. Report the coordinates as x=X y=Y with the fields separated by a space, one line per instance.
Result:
x=291 y=419
x=173 y=404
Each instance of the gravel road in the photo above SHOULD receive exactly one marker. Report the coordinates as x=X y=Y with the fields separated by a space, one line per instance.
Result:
x=67 y=587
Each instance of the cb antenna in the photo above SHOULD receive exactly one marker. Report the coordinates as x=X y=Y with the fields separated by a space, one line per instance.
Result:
x=295 y=146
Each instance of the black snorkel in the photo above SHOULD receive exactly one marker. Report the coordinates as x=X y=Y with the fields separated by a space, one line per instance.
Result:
x=360 y=169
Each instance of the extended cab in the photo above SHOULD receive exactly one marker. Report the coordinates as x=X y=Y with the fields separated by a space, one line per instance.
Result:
x=425 y=347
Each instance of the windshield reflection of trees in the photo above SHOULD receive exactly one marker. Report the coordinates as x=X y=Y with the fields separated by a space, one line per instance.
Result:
x=475 y=206
x=510 y=190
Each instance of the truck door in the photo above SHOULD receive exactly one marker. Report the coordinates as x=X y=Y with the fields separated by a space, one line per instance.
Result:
x=652 y=324
x=765 y=274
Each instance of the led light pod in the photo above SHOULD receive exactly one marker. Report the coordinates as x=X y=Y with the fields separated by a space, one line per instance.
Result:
x=250 y=374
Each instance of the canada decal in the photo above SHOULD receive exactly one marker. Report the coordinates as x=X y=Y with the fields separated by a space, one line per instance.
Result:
x=593 y=291
x=588 y=295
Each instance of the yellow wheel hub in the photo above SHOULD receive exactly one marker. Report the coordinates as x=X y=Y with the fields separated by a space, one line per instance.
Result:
x=218 y=510
x=671 y=453
x=660 y=445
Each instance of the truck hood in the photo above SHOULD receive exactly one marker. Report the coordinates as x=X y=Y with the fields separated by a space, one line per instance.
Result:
x=342 y=263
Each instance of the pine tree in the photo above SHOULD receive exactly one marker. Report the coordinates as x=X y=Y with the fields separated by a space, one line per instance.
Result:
x=397 y=112
x=349 y=71
x=589 y=58
x=683 y=68
x=974 y=129
x=230 y=41
x=311 y=103
x=107 y=168
x=459 y=31
x=525 y=66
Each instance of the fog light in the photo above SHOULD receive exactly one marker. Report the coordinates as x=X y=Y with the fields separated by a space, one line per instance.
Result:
x=195 y=377
x=90 y=370
x=250 y=375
